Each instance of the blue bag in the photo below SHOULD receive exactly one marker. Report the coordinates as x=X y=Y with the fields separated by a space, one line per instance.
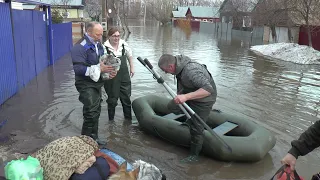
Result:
x=98 y=171
x=117 y=158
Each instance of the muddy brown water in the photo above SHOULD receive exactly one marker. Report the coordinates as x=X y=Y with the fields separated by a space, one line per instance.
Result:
x=280 y=96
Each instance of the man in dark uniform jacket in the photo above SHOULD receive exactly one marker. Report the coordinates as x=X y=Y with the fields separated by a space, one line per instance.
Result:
x=87 y=68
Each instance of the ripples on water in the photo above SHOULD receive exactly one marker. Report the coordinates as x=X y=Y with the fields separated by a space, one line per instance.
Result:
x=281 y=96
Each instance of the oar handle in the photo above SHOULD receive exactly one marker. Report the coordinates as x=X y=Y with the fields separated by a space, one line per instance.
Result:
x=148 y=63
x=141 y=61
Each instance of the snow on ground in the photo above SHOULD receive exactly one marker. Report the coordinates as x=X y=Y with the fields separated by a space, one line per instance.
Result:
x=291 y=52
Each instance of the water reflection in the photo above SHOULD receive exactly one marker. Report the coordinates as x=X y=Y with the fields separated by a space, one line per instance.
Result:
x=281 y=96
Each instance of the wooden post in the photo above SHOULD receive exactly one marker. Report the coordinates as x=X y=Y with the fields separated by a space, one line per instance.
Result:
x=104 y=20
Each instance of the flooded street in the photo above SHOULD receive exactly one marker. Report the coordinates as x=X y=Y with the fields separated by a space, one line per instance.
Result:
x=281 y=96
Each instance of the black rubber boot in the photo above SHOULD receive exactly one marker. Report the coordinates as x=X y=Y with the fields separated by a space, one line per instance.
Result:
x=111 y=113
x=94 y=135
x=86 y=130
x=127 y=113
x=102 y=144
x=195 y=148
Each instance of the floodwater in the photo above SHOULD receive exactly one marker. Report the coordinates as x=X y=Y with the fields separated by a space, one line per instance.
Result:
x=281 y=96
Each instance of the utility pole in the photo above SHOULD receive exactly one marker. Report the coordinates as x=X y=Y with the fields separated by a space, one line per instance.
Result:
x=145 y=13
x=104 y=19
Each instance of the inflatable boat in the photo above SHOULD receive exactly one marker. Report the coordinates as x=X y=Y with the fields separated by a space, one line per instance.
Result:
x=249 y=141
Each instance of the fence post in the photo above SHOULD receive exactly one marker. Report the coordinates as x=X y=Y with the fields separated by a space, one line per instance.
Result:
x=14 y=44
x=82 y=27
x=50 y=35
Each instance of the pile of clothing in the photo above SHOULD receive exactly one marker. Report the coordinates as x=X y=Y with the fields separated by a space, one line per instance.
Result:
x=75 y=158
x=72 y=157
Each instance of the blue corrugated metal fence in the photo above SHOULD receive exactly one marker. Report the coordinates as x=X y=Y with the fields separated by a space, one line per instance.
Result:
x=8 y=77
x=40 y=41
x=62 y=39
x=24 y=47
x=30 y=39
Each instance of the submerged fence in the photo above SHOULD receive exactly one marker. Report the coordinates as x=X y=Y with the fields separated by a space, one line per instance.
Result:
x=28 y=44
x=61 y=40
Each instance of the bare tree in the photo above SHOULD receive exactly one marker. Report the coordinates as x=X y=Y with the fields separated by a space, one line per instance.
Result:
x=207 y=3
x=136 y=9
x=93 y=8
x=161 y=10
x=216 y=3
x=274 y=13
x=155 y=9
x=240 y=12
x=64 y=4
x=182 y=2
x=288 y=13
x=125 y=10
x=119 y=7
x=307 y=12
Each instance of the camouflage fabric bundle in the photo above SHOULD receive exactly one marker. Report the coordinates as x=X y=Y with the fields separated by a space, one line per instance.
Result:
x=62 y=157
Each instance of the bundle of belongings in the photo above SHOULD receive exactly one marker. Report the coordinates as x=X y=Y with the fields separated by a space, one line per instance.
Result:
x=285 y=173
x=75 y=158
x=24 y=169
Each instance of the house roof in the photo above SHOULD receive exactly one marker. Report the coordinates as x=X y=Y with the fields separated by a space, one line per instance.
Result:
x=177 y=14
x=199 y=11
x=31 y=2
x=29 y=6
x=181 y=12
x=60 y=2
x=183 y=8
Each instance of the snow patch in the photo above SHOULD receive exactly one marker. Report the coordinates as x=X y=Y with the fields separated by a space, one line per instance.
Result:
x=291 y=52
